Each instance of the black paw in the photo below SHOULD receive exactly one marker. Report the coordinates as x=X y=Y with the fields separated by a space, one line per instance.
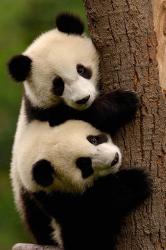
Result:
x=127 y=102
x=113 y=110
x=138 y=182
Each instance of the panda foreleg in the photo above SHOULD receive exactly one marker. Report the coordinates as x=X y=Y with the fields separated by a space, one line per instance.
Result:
x=135 y=186
x=113 y=110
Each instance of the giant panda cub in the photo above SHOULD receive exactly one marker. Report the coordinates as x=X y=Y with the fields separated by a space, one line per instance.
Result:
x=60 y=74
x=68 y=188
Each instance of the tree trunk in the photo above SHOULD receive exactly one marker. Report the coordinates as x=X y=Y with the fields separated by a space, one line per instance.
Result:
x=159 y=11
x=123 y=32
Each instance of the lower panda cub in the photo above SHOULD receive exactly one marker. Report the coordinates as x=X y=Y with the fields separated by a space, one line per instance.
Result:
x=68 y=188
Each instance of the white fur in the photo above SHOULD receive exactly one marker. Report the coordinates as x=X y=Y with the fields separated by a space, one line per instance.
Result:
x=77 y=90
x=56 y=235
x=15 y=179
x=56 y=54
x=53 y=54
x=62 y=146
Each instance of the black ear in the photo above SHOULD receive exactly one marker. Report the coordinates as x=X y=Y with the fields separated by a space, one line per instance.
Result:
x=19 y=67
x=43 y=173
x=69 y=24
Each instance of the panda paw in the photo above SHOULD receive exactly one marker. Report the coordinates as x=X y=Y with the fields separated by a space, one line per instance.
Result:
x=137 y=183
x=113 y=110
x=126 y=102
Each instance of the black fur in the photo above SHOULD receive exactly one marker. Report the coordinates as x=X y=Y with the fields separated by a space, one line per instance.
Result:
x=84 y=71
x=19 y=67
x=85 y=165
x=92 y=220
x=115 y=160
x=69 y=24
x=108 y=112
x=97 y=139
x=58 y=86
x=43 y=173
x=37 y=220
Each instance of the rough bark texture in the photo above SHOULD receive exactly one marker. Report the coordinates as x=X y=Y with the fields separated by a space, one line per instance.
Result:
x=123 y=32
x=159 y=10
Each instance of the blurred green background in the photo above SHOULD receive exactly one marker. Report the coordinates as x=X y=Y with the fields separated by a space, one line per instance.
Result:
x=20 y=22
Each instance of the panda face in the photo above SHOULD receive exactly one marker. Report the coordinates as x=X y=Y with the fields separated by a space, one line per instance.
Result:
x=68 y=158
x=66 y=70
x=59 y=66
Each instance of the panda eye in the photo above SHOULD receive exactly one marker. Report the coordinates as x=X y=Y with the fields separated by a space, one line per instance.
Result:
x=83 y=71
x=98 y=139
x=92 y=139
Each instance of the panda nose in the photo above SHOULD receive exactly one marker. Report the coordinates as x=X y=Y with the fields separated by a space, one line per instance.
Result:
x=115 y=160
x=84 y=100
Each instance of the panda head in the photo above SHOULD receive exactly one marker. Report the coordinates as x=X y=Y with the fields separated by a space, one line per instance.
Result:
x=60 y=65
x=69 y=157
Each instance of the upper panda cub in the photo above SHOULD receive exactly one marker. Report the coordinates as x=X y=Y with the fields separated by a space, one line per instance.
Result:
x=60 y=74
x=68 y=188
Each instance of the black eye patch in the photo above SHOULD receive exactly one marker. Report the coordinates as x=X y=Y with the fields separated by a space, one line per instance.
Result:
x=97 y=139
x=85 y=165
x=58 y=86
x=83 y=71
x=43 y=173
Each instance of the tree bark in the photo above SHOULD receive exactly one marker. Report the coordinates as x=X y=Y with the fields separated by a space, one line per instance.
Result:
x=123 y=32
x=159 y=11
